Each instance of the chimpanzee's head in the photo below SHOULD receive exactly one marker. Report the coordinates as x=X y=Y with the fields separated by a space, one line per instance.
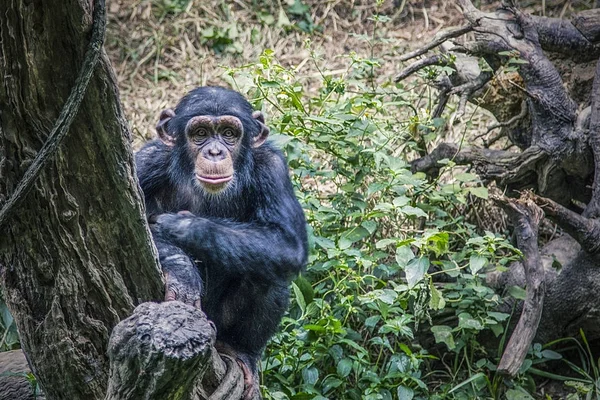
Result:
x=213 y=131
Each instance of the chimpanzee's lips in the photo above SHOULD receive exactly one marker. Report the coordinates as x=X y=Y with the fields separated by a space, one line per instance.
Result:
x=214 y=180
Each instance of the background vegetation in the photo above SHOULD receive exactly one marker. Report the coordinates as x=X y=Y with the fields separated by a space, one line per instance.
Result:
x=394 y=301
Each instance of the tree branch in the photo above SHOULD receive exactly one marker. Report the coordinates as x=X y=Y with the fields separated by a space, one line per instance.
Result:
x=526 y=216
x=585 y=230
x=166 y=351
x=439 y=39
x=593 y=208
x=505 y=167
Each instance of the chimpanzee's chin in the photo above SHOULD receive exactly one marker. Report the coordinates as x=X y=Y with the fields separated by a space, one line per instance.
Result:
x=214 y=188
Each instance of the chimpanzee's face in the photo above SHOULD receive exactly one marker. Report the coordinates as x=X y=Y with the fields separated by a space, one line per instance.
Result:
x=213 y=143
x=213 y=138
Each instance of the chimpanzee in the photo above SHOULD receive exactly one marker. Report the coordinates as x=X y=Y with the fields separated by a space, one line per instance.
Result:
x=219 y=196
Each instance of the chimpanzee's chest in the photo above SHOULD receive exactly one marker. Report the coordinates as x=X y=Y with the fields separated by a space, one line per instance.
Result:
x=231 y=207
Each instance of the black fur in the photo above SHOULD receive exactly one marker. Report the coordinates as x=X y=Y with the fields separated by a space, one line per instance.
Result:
x=248 y=241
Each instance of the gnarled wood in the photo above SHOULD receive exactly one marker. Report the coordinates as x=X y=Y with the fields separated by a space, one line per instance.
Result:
x=76 y=255
x=527 y=216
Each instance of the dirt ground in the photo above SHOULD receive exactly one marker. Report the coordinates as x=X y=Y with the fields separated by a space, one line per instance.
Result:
x=160 y=49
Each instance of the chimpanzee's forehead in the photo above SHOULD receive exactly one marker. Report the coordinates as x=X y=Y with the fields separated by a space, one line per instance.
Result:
x=213 y=101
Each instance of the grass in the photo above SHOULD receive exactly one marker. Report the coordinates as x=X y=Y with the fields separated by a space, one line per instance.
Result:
x=160 y=49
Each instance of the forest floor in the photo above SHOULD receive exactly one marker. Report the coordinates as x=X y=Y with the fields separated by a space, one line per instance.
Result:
x=161 y=49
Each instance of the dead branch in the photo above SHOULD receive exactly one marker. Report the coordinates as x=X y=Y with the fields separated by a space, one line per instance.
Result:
x=502 y=166
x=439 y=39
x=436 y=59
x=166 y=351
x=526 y=216
x=585 y=230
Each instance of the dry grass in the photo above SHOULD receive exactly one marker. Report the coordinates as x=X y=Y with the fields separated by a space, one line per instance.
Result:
x=159 y=57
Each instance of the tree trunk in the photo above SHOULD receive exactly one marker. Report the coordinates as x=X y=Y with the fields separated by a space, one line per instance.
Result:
x=76 y=254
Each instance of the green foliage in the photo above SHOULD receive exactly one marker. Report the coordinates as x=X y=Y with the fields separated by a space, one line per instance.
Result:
x=222 y=39
x=396 y=276
x=162 y=8
x=9 y=337
x=300 y=13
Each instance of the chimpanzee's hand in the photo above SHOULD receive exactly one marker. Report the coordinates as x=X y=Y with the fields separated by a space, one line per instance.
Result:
x=172 y=228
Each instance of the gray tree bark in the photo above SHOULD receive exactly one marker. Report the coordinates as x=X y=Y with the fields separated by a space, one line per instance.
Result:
x=76 y=254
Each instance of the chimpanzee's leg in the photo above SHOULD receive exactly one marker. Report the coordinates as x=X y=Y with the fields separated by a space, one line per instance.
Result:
x=249 y=366
x=183 y=281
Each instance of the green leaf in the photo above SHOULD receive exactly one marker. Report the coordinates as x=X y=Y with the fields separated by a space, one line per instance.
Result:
x=326 y=121
x=413 y=211
x=415 y=270
x=324 y=242
x=443 y=334
x=466 y=177
x=517 y=292
x=467 y=381
x=405 y=393
x=384 y=243
x=480 y=192
x=388 y=296
x=466 y=321
x=306 y=288
x=370 y=226
x=282 y=19
x=403 y=255
x=299 y=297
x=401 y=201
x=436 y=300
x=551 y=355
x=476 y=262
x=352 y=236
x=310 y=375
x=372 y=321
x=498 y=316
x=344 y=367
x=517 y=394
x=450 y=268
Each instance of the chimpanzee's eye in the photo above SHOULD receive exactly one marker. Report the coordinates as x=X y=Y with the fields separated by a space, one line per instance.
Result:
x=229 y=133
x=199 y=135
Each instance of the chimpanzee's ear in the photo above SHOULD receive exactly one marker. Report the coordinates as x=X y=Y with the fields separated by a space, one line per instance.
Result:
x=161 y=127
x=261 y=137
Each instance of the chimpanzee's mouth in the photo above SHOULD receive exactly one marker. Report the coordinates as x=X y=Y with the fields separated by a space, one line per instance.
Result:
x=214 y=180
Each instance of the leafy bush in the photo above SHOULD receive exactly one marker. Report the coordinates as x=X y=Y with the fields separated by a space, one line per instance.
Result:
x=396 y=275
x=9 y=337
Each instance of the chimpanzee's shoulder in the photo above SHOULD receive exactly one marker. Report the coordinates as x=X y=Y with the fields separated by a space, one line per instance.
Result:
x=270 y=158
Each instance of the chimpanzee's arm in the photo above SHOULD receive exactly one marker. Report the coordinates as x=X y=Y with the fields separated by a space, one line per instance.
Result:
x=273 y=245
x=183 y=281
x=271 y=250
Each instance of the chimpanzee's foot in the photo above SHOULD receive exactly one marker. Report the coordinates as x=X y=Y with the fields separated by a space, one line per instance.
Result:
x=251 y=389
x=249 y=368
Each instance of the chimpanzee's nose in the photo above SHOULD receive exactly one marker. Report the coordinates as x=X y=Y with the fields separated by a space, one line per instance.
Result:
x=214 y=151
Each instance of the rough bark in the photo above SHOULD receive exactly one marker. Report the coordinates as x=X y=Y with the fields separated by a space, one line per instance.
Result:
x=76 y=254
x=527 y=216
x=168 y=339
